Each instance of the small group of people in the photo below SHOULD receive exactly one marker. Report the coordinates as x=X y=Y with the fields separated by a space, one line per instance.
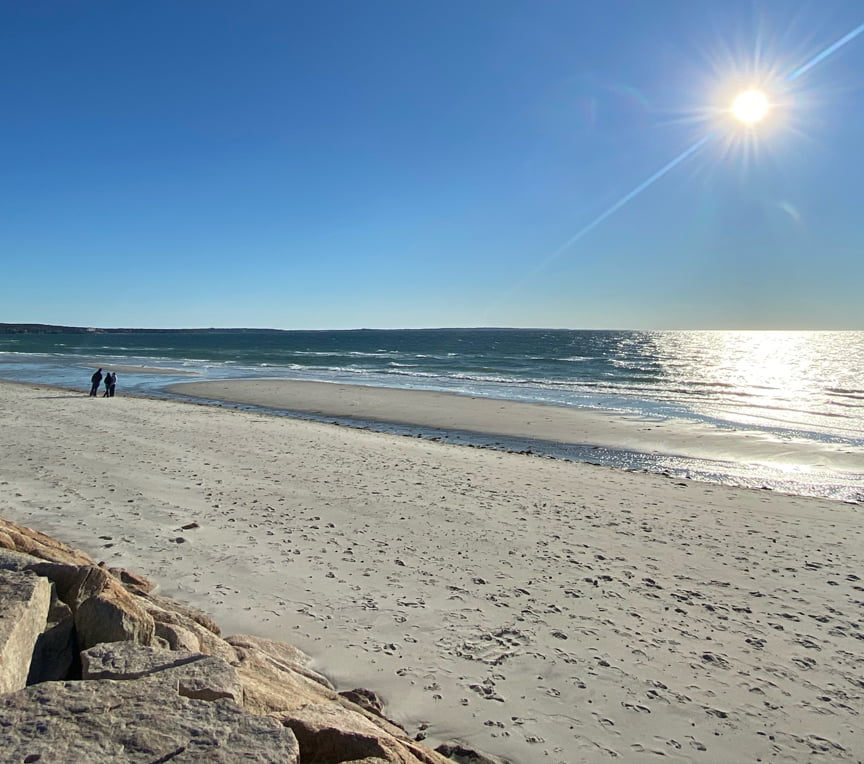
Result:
x=110 y=383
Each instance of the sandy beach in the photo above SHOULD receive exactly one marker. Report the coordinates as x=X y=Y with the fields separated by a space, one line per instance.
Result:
x=530 y=421
x=539 y=610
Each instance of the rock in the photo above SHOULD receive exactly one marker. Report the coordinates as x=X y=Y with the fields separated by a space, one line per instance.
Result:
x=22 y=539
x=75 y=583
x=203 y=639
x=55 y=656
x=12 y=560
x=24 y=603
x=463 y=755
x=187 y=611
x=332 y=734
x=103 y=610
x=132 y=581
x=195 y=675
x=135 y=722
x=288 y=655
x=113 y=616
x=327 y=733
x=178 y=638
x=272 y=685
x=365 y=699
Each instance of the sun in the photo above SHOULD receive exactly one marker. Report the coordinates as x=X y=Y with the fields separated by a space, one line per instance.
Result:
x=750 y=107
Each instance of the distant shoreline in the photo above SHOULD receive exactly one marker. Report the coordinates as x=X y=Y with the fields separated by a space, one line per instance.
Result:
x=55 y=329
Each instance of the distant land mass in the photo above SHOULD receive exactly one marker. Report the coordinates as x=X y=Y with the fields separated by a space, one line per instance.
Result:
x=52 y=329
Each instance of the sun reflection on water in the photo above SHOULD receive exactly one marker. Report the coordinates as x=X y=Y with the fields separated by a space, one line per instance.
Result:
x=780 y=377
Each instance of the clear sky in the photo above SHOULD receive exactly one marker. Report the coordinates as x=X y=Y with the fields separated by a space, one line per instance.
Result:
x=420 y=163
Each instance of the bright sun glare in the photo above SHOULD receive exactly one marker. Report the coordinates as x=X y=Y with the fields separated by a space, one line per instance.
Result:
x=750 y=107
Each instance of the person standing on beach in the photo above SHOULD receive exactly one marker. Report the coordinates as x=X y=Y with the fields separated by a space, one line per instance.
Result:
x=107 y=384
x=95 y=380
x=113 y=383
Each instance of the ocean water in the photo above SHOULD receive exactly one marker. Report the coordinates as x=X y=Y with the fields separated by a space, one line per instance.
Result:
x=806 y=387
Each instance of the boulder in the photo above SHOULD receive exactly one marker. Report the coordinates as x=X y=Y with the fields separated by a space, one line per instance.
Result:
x=55 y=655
x=74 y=583
x=24 y=603
x=202 y=639
x=463 y=755
x=186 y=611
x=366 y=699
x=136 y=722
x=114 y=615
x=19 y=538
x=102 y=608
x=13 y=560
x=132 y=581
x=333 y=734
x=194 y=675
x=178 y=638
x=284 y=654
x=272 y=684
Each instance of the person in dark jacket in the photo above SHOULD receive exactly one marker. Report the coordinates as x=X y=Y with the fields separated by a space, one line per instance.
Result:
x=94 y=381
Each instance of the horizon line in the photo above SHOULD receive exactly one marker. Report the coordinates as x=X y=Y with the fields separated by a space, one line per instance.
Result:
x=34 y=326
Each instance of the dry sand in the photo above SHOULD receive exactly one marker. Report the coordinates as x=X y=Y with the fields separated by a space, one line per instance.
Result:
x=541 y=610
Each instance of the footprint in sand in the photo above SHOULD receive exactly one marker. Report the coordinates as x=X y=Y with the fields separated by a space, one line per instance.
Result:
x=716 y=660
x=486 y=690
x=636 y=707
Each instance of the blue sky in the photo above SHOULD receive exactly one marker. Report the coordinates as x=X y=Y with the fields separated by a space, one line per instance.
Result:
x=396 y=163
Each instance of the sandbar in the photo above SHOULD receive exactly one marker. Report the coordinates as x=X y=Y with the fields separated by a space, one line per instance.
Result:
x=530 y=421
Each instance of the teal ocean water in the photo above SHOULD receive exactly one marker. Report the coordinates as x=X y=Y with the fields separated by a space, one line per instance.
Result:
x=793 y=386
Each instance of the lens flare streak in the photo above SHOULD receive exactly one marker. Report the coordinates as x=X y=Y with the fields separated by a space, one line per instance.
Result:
x=833 y=48
x=634 y=193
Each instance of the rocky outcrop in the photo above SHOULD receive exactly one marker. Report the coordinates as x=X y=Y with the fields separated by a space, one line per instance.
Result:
x=115 y=672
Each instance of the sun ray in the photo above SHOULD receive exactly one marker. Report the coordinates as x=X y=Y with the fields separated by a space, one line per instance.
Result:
x=629 y=196
x=833 y=48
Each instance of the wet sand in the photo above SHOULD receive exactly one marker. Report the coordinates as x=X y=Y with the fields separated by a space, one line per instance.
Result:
x=552 y=424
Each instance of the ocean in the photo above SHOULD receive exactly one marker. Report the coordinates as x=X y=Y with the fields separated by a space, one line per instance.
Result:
x=803 y=387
